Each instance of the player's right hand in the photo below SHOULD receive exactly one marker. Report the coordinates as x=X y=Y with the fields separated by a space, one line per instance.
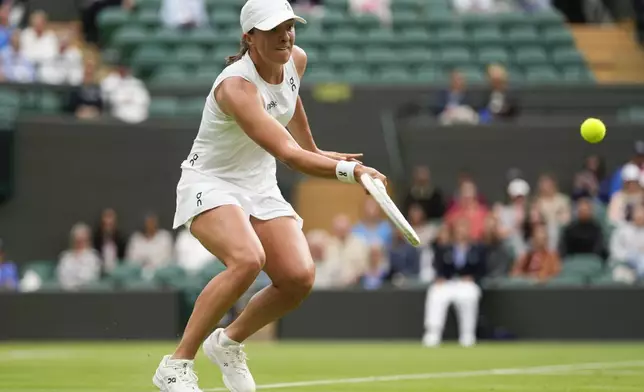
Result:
x=373 y=173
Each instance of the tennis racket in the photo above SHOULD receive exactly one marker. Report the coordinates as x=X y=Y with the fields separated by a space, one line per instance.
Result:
x=378 y=191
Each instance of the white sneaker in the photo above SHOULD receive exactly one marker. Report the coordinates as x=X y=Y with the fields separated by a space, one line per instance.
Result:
x=232 y=363
x=176 y=375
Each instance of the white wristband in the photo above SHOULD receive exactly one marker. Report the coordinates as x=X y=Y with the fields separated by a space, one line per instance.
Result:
x=344 y=171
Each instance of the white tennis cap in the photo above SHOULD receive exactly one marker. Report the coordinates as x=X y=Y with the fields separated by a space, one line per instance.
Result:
x=266 y=14
x=518 y=187
x=630 y=172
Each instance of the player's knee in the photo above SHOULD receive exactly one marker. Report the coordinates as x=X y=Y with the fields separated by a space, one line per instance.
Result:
x=300 y=281
x=248 y=261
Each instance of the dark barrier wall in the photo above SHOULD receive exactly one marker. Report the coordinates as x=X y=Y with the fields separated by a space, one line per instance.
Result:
x=597 y=313
x=132 y=315
x=6 y=163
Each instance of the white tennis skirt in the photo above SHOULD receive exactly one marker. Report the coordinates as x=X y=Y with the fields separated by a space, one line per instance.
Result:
x=197 y=193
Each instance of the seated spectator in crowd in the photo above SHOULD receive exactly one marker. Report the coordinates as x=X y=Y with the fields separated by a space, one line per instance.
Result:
x=436 y=250
x=85 y=101
x=6 y=30
x=498 y=255
x=377 y=272
x=622 y=202
x=9 y=278
x=39 y=43
x=190 y=254
x=347 y=250
x=535 y=219
x=16 y=67
x=554 y=205
x=150 y=248
x=470 y=209
x=64 y=68
x=454 y=106
x=79 y=265
x=327 y=272
x=464 y=177
x=311 y=7
x=627 y=242
x=108 y=241
x=591 y=180
x=500 y=103
x=512 y=217
x=539 y=262
x=425 y=193
x=404 y=259
x=535 y=5
x=458 y=266
x=184 y=14
x=373 y=227
x=126 y=96
x=583 y=235
x=426 y=231
x=90 y=9
x=379 y=8
x=616 y=180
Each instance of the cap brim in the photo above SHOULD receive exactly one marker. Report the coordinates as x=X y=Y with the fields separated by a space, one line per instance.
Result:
x=276 y=20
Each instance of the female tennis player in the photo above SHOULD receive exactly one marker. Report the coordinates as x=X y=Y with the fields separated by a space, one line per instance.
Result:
x=228 y=196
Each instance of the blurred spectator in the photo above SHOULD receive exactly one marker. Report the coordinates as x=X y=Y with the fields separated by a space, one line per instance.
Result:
x=540 y=262
x=535 y=5
x=9 y=279
x=622 y=202
x=454 y=106
x=90 y=9
x=66 y=67
x=616 y=181
x=127 y=96
x=498 y=258
x=377 y=268
x=627 y=242
x=39 y=43
x=583 y=235
x=554 y=205
x=500 y=101
x=473 y=6
x=404 y=259
x=311 y=7
x=85 y=100
x=108 y=240
x=512 y=216
x=464 y=177
x=424 y=192
x=372 y=227
x=16 y=67
x=590 y=181
x=190 y=254
x=470 y=209
x=150 y=248
x=327 y=273
x=6 y=30
x=436 y=251
x=458 y=265
x=537 y=218
x=347 y=250
x=80 y=265
x=426 y=231
x=184 y=14
x=379 y=8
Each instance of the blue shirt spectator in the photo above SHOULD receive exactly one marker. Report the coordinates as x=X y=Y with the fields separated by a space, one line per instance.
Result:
x=372 y=227
x=15 y=66
x=8 y=273
x=404 y=258
x=5 y=27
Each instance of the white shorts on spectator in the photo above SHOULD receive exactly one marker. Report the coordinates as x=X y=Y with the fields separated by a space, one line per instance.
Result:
x=465 y=296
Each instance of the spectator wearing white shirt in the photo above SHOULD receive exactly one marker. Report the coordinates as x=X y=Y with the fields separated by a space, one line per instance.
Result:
x=38 y=43
x=627 y=243
x=16 y=67
x=80 y=265
x=127 y=97
x=631 y=194
x=151 y=248
x=64 y=68
x=347 y=251
x=184 y=14
x=191 y=255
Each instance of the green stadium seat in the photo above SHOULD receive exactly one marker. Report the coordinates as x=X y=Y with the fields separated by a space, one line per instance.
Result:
x=320 y=75
x=531 y=56
x=154 y=5
x=487 y=36
x=111 y=19
x=169 y=76
x=428 y=75
x=558 y=36
x=418 y=56
x=228 y=37
x=191 y=107
x=141 y=285
x=493 y=55
x=151 y=55
x=333 y=19
x=342 y=5
x=546 y=19
x=128 y=37
x=455 y=57
x=415 y=35
x=341 y=55
x=211 y=270
x=224 y=18
x=406 y=18
x=541 y=74
x=313 y=56
x=567 y=57
x=163 y=107
x=473 y=75
x=473 y=21
x=565 y=281
x=508 y=20
x=165 y=276
x=205 y=37
x=51 y=286
x=381 y=37
x=189 y=55
x=346 y=35
x=234 y=4
x=510 y=282
x=206 y=75
x=50 y=102
x=521 y=36
x=148 y=18
x=168 y=37
x=452 y=36
x=221 y=53
x=439 y=20
x=586 y=266
x=393 y=75
x=100 y=285
x=45 y=269
x=355 y=75
x=378 y=55
x=9 y=98
x=125 y=272
x=365 y=22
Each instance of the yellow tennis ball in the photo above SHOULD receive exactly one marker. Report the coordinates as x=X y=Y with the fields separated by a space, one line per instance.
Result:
x=593 y=130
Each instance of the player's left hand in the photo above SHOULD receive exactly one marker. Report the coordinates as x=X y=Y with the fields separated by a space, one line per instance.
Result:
x=340 y=156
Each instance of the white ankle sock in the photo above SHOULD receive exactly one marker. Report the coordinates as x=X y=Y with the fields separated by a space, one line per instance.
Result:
x=225 y=341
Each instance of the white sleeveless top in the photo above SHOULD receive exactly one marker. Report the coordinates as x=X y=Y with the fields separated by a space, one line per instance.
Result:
x=222 y=149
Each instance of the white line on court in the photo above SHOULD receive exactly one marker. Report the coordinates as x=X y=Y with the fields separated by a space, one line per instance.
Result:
x=475 y=373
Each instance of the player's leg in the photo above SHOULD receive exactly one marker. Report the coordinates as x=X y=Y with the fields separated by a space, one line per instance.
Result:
x=226 y=232
x=289 y=265
x=466 y=301
x=436 y=306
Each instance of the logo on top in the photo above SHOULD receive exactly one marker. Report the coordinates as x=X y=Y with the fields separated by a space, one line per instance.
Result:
x=288 y=6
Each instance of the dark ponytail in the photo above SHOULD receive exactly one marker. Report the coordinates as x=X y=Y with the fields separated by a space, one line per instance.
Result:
x=242 y=51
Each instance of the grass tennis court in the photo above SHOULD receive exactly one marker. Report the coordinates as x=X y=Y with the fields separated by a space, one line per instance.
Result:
x=337 y=367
